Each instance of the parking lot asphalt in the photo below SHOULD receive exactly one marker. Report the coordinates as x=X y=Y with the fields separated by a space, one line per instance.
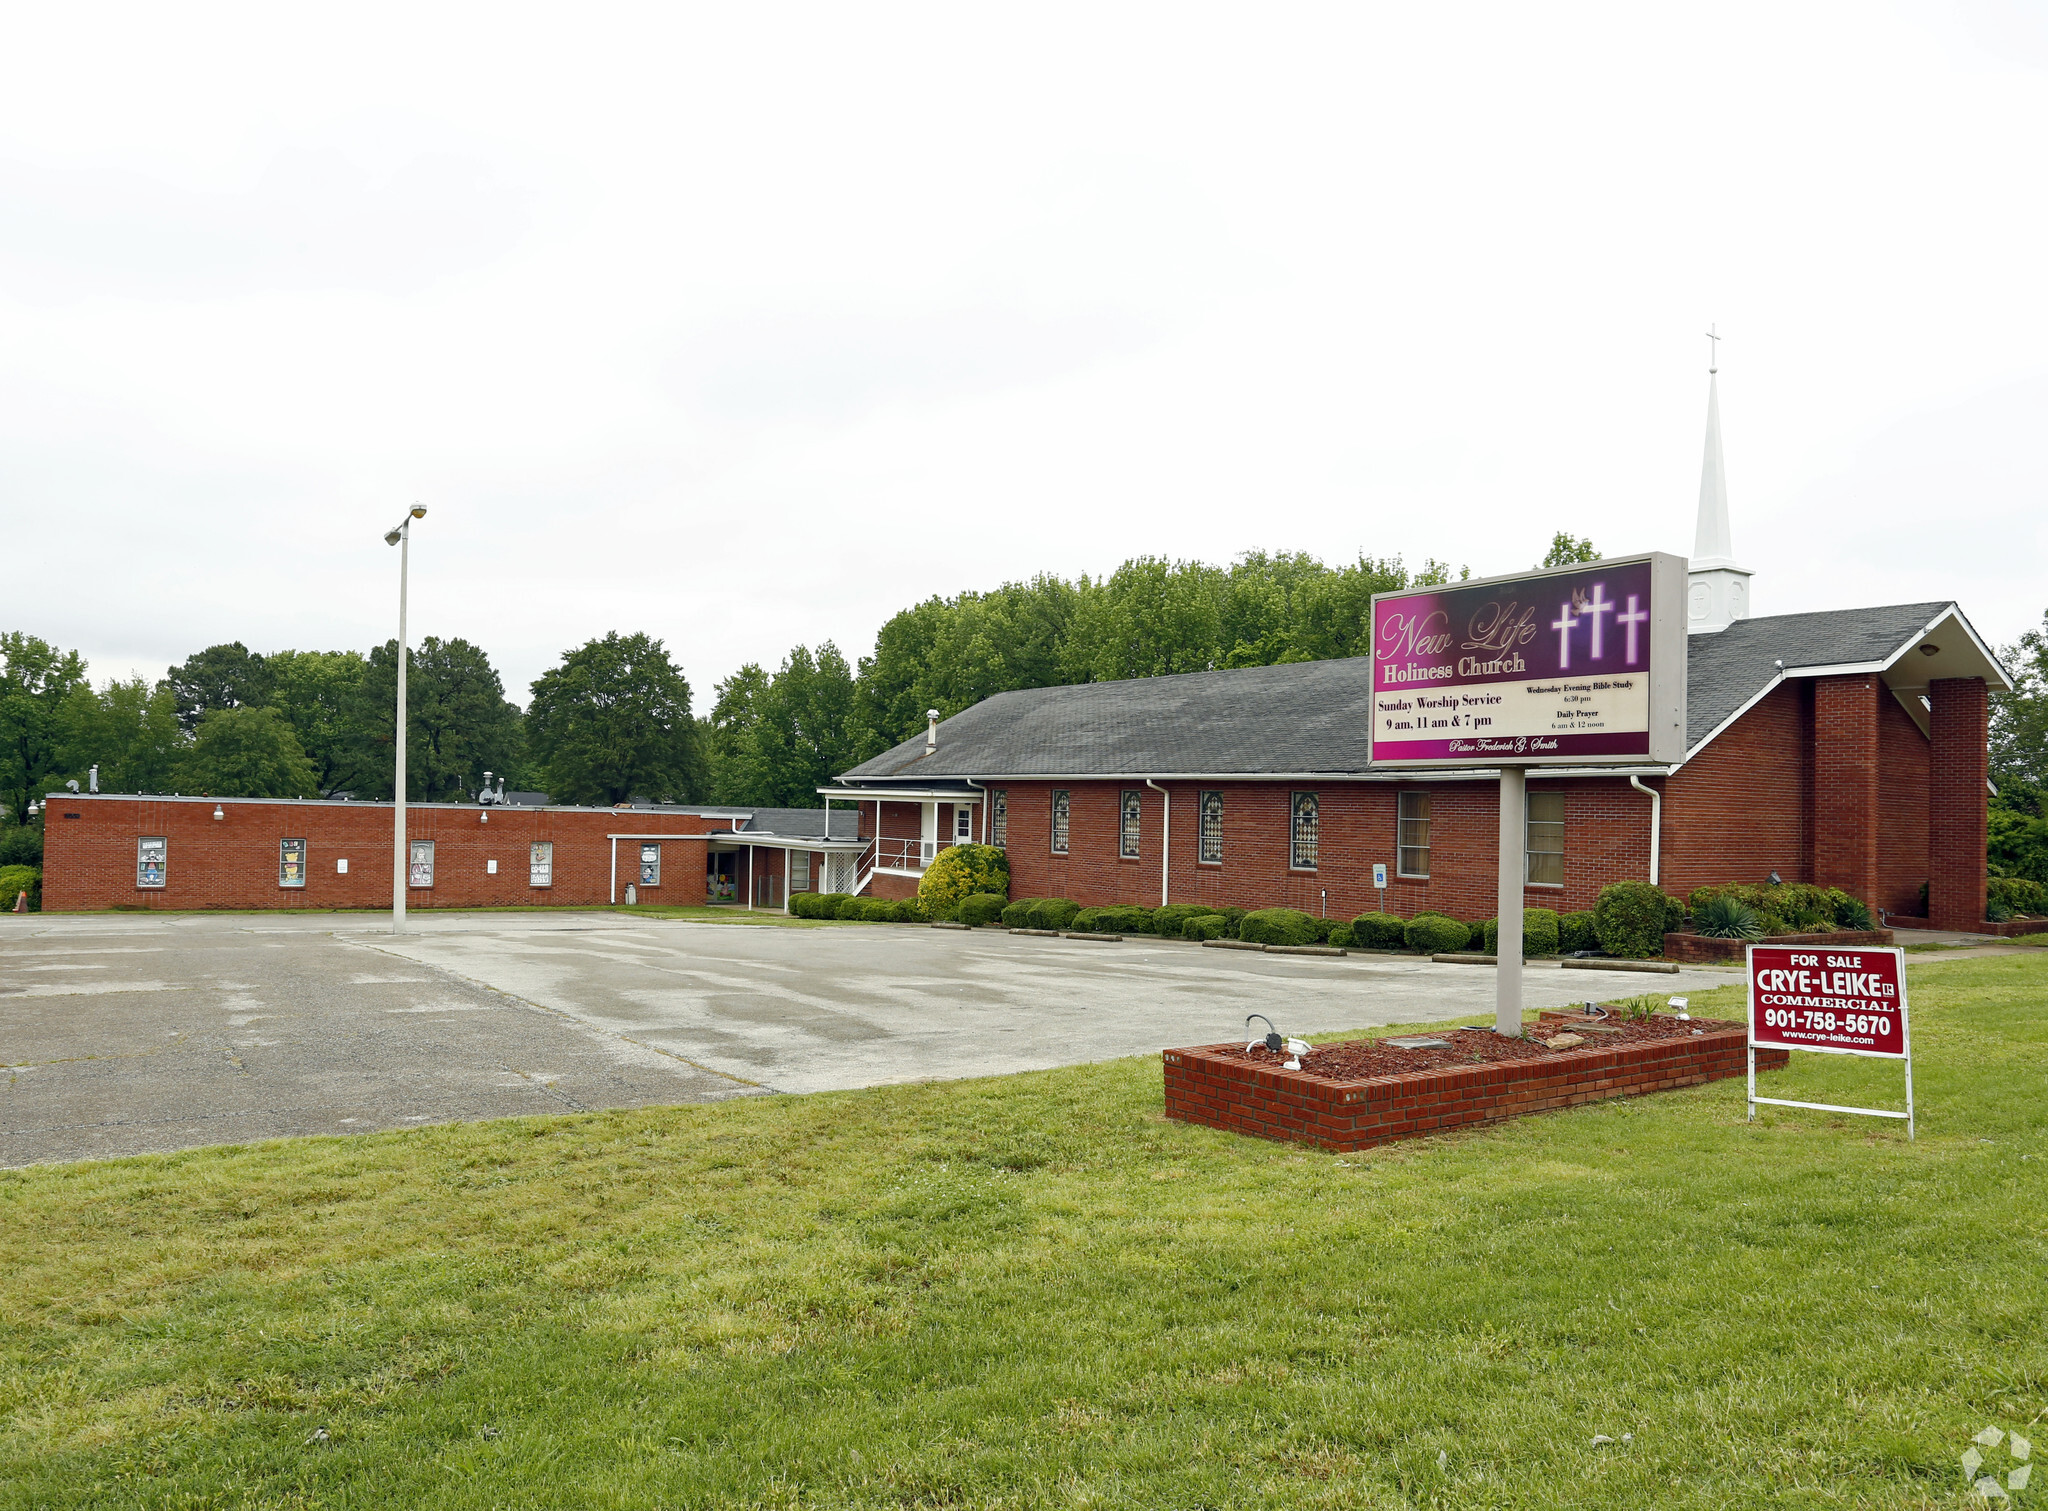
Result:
x=127 y=1034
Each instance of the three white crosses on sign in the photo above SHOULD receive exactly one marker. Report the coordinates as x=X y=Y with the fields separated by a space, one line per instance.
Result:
x=1584 y=609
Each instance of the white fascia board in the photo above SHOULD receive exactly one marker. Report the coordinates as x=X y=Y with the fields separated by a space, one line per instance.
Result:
x=902 y=794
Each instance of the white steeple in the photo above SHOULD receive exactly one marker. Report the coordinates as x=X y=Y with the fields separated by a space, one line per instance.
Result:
x=1718 y=590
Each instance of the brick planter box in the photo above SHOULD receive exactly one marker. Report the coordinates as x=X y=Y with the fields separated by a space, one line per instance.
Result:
x=2012 y=928
x=1693 y=948
x=1209 y=1087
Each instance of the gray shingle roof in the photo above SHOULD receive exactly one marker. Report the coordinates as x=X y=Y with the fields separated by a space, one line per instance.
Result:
x=1311 y=717
x=1725 y=670
x=803 y=823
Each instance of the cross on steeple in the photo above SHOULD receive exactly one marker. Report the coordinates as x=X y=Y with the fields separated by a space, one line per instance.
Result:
x=1714 y=351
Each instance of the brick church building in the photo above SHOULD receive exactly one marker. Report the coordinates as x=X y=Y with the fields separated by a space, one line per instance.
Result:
x=1846 y=747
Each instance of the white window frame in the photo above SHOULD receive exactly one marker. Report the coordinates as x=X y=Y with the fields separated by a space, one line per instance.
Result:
x=963 y=824
x=650 y=863
x=1551 y=801
x=1295 y=815
x=799 y=870
x=1060 y=826
x=1411 y=797
x=144 y=857
x=1130 y=824
x=283 y=852
x=419 y=863
x=1209 y=837
x=540 y=863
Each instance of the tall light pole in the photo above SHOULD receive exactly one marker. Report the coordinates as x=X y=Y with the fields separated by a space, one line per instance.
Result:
x=401 y=538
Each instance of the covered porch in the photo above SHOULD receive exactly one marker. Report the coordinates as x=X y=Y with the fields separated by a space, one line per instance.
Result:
x=902 y=830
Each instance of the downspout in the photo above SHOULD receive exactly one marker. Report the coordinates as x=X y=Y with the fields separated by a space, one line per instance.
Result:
x=1656 y=820
x=615 y=871
x=970 y=781
x=1165 y=835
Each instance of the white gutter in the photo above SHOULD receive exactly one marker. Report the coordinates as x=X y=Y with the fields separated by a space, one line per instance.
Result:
x=1165 y=836
x=1656 y=820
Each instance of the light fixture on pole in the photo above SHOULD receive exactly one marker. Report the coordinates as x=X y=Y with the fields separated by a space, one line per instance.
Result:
x=400 y=537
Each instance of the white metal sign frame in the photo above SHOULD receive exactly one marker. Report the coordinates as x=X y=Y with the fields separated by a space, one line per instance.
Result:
x=1904 y=1055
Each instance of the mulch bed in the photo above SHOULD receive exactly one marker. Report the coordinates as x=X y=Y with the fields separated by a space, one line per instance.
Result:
x=1360 y=1059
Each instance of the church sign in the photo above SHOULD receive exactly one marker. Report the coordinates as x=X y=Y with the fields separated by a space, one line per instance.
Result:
x=1581 y=665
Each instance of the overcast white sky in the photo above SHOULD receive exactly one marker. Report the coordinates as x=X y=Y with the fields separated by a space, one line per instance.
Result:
x=750 y=325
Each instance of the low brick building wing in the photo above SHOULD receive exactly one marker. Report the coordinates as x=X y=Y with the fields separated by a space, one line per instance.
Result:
x=1846 y=748
x=155 y=851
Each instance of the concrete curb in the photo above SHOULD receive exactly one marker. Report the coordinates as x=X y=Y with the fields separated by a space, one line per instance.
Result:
x=1038 y=933
x=1104 y=938
x=1655 y=967
x=1230 y=944
x=1302 y=949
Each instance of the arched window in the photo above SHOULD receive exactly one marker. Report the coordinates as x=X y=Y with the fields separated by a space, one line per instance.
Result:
x=1209 y=829
x=1302 y=845
x=1129 y=817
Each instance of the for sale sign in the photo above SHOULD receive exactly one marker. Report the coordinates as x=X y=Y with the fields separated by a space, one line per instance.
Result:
x=1848 y=1001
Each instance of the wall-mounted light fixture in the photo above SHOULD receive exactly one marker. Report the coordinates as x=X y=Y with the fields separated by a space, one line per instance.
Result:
x=216 y=811
x=1930 y=650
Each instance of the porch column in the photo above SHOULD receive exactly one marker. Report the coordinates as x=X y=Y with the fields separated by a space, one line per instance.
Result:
x=1958 y=767
x=1845 y=784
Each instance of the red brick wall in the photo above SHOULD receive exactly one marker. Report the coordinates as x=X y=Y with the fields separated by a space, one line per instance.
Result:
x=1904 y=772
x=1845 y=771
x=1607 y=826
x=231 y=862
x=1740 y=810
x=1955 y=802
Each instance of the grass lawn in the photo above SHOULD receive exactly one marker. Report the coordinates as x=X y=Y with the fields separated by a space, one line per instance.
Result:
x=1035 y=1291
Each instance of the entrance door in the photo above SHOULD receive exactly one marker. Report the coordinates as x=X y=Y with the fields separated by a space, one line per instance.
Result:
x=722 y=876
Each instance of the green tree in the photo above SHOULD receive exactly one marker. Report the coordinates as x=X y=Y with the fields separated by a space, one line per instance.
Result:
x=318 y=694
x=128 y=729
x=457 y=723
x=245 y=752
x=2018 y=820
x=221 y=676
x=613 y=722
x=35 y=682
x=776 y=740
x=1564 y=550
x=737 y=774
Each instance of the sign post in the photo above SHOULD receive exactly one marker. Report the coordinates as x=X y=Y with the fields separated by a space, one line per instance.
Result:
x=1845 y=1001
x=1578 y=666
x=1379 y=879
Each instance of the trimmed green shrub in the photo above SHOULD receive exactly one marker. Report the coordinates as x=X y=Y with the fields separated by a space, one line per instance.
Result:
x=1208 y=926
x=1726 y=918
x=2017 y=895
x=1379 y=931
x=15 y=880
x=909 y=910
x=1052 y=913
x=979 y=909
x=1434 y=934
x=1575 y=932
x=1793 y=907
x=1108 y=920
x=1277 y=926
x=1341 y=936
x=1017 y=915
x=1325 y=927
x=1632 y=918
x=960 y=871
x=865 y=910
x=1850 y=912
x=1167 y=921
x=1541 y=933
x=1232 y=917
